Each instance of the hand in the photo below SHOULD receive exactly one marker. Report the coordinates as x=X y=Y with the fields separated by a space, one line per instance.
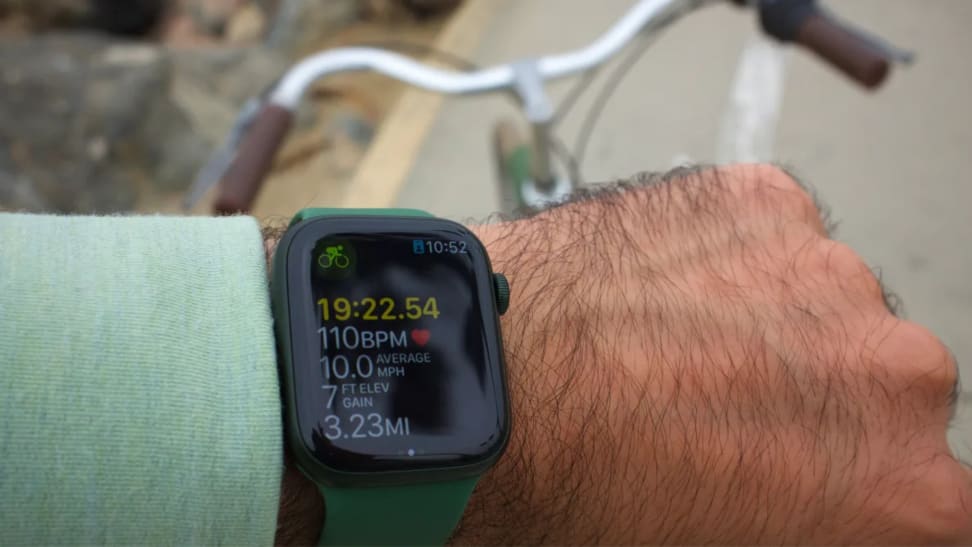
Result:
x=692 y=360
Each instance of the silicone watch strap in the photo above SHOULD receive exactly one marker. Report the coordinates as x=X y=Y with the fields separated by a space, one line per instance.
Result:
x=413 y=514
x=312 y=212
x=417 y=514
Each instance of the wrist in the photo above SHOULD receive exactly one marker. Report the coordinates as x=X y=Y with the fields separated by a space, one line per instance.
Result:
x=511 y=499
x=300 y=517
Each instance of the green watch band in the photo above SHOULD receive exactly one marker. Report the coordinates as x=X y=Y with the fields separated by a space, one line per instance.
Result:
x=312 y=212
x=418 y=514
x=414 y=514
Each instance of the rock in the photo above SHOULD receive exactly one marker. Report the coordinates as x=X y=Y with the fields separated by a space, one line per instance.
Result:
x=48 y=13
x=299 y=26
x=17 y=192
x=428 y=8
x=230 y=75
x=351 y=124
x=246 y=26
x=393 y=10
x=84 y=117
x=197 y=22
x=125 y=17
x=348 y=134
x=211 y=16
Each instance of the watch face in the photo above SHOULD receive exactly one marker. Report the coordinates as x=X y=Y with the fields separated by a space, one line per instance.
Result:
x=396 y=362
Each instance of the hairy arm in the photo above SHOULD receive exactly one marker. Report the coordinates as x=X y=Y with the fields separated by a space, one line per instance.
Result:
x=692 y=360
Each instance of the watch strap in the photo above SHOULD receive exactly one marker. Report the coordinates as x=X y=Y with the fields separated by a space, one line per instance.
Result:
x=416 y=514
x=312 y=212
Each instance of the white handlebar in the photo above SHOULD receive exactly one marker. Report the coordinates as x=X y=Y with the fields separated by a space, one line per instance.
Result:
x=295 y=82
x=643 y=13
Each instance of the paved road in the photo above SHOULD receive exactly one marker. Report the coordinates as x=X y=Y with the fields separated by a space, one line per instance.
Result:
x=894 y=166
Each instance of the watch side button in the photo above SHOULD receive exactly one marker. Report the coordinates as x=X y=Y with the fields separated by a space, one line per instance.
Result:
x=502 y=287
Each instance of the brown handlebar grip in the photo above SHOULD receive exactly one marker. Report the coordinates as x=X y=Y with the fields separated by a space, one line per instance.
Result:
x=241 y=183
x=848 y=52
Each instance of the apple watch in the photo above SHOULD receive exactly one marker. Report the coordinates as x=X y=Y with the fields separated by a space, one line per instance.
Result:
x=391 y=358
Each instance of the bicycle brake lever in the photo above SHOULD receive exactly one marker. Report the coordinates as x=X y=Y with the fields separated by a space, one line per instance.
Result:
x=220 y=159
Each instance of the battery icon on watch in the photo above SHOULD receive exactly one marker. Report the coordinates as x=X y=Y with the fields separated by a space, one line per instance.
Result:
x=418 y=247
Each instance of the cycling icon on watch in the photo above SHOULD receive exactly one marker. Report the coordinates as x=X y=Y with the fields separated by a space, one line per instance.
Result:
x=333 y=257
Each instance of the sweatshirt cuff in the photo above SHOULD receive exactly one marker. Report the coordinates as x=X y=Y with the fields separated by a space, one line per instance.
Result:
x=139 y=398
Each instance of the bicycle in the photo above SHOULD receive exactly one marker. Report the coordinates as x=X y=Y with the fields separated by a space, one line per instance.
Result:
x=528 y=178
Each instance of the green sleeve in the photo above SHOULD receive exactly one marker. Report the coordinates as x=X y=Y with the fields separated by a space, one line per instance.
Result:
x=139 y=400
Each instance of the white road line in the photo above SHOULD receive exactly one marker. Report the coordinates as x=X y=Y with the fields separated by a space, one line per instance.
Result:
x=749 y=123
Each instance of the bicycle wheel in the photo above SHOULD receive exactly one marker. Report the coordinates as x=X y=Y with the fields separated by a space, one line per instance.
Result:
x=511 y=159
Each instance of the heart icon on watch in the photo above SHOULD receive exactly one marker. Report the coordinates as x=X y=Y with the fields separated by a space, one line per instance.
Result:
x=421 y=336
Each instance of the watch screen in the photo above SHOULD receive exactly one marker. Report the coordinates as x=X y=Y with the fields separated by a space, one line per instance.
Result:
x=401 y=368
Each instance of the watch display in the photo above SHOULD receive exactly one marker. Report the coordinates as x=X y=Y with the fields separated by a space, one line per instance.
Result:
x=395 y=362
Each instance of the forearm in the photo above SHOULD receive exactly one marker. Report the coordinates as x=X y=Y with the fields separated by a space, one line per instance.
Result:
x=569 y=457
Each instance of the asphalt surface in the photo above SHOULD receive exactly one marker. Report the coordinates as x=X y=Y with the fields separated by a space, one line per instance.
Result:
x=893 y=166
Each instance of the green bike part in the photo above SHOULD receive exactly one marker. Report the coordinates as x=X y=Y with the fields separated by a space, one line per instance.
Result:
x=516 y=167
x=418 y=514
x=414 y=514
